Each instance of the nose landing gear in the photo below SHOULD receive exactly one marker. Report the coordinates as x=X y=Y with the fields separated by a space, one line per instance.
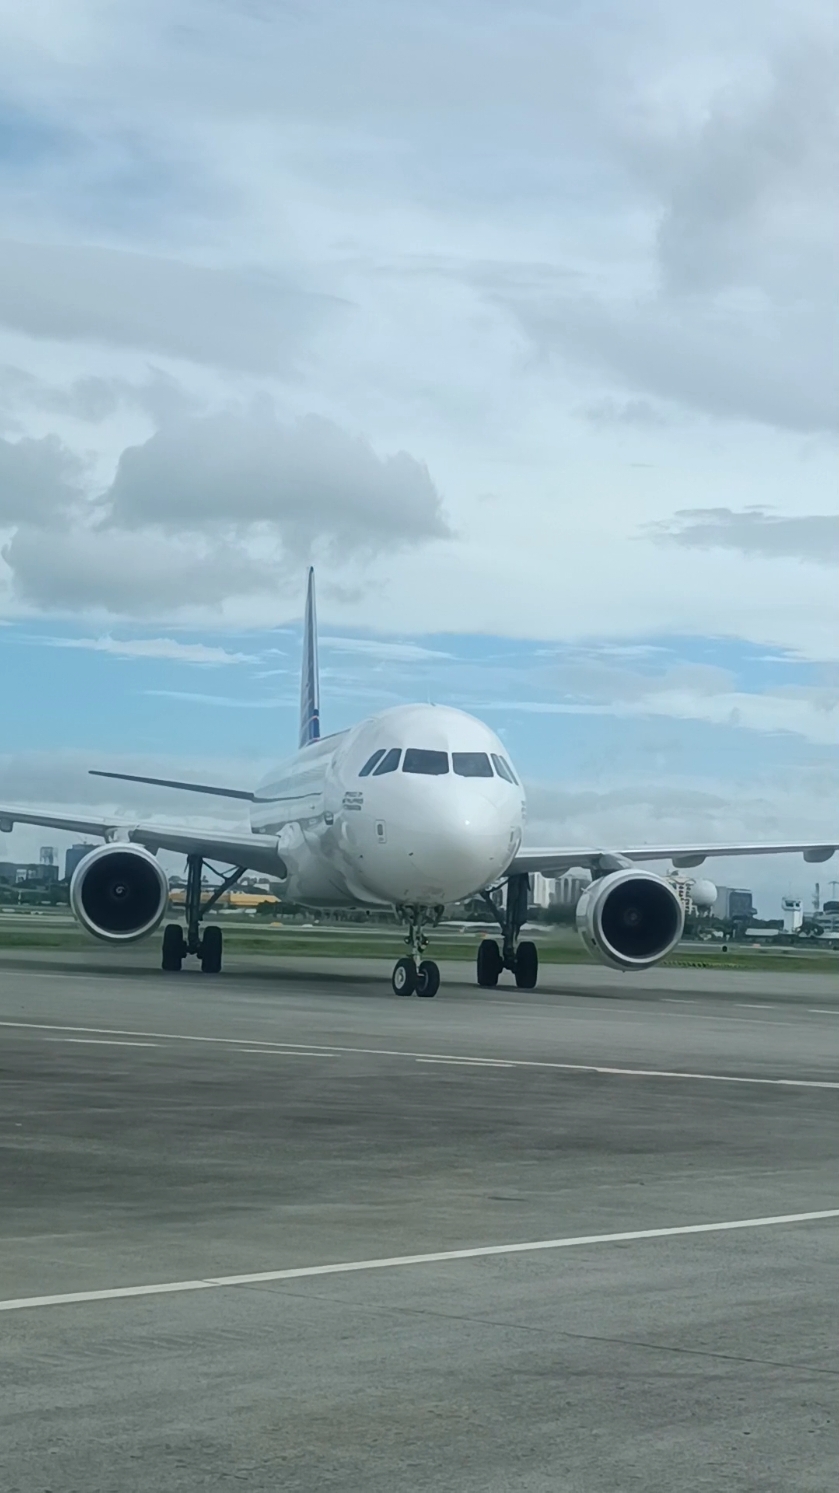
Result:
x=415 y=975
x=522 y=958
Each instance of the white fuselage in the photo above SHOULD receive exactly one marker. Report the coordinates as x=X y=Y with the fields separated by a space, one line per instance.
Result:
x=436 y=817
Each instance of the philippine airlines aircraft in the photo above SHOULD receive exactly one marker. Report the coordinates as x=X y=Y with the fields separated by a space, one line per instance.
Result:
x=412 y=809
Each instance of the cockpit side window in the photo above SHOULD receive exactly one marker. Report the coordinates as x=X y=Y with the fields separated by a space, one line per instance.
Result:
x=432 y=764
x=389 y=762
x=503 y=769
x=371 y=763
x=471 y=764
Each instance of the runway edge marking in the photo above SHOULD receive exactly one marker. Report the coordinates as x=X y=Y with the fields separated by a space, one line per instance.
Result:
x=439 y=1257
x=259 y=1044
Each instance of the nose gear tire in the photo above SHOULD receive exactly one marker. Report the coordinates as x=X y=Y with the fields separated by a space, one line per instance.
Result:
x=427 y=978
x=404 y=977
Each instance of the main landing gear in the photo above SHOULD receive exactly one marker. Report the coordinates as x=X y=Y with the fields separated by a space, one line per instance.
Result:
x=415 y=975
x=521 y=958
x=177 y=943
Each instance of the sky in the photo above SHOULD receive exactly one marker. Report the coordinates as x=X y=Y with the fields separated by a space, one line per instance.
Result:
x=517 y=320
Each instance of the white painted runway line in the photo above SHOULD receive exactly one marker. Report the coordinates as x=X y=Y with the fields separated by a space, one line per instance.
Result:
x=439 y=1257
x=101 y=1042
x=273 y=1053
x=468 y=1059
x=468 y=1062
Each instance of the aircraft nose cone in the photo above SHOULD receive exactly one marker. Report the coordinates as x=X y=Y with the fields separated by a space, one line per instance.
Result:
x=454 y=849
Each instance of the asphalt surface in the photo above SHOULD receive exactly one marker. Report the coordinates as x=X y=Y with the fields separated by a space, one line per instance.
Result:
x=161 y=1130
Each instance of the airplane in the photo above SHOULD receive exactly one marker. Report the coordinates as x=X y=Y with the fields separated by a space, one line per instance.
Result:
x=415 y=808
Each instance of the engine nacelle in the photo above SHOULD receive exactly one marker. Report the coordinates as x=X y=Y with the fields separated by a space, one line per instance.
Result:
x=119 y=892
x=630 y=919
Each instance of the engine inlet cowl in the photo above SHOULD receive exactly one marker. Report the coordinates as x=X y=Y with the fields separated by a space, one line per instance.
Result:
x=119 y=893
x=630 y=919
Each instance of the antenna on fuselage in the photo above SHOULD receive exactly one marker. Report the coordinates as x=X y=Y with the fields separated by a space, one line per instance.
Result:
x=309 y=680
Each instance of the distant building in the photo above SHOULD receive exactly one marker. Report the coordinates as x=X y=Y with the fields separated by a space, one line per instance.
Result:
x=793 y=914
x=541 y=890
x=569 y=889
x=72 y=857
x=682 y=886
x=30 y=873
x=734 y=904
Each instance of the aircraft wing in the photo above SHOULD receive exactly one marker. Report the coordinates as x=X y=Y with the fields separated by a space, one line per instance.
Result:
x=254 y=852
x=556 y=861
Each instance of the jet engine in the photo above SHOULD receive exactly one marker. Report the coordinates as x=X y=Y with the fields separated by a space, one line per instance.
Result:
x=119 y=892
x=630 y=919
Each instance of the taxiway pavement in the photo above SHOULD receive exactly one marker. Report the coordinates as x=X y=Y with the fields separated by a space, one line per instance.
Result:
x=179 y=1131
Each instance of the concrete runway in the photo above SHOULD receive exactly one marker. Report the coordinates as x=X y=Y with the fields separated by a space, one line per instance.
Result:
x=182 y=1130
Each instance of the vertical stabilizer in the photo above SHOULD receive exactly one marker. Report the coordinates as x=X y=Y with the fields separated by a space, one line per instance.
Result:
x=309 y=682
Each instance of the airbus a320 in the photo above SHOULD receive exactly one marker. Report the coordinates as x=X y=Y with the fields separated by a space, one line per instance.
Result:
x=413 y=809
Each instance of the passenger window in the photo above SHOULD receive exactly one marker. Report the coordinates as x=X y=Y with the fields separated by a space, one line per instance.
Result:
x=503 y=768
x=371 y=763
x=432 y=764
x=389 y=762
x=471 y=764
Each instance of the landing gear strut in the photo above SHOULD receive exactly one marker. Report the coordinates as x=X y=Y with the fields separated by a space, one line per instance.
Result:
x=415 y=975
x=177 y=943
x=521 y=958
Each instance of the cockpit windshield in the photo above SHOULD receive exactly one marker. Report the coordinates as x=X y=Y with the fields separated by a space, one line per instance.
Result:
x=389 y=762
x=432 y=764
x=371 y=763
x=504 y=769
x=471 y=765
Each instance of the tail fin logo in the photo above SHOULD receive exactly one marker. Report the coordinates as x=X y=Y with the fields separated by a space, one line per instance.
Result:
x=309 y=678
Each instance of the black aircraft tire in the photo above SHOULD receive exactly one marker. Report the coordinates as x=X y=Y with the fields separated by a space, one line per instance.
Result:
x=174 y=947
x=490 y=963
x=211 y=950
x=404 y=977
x=527 y=966
x=428 y=978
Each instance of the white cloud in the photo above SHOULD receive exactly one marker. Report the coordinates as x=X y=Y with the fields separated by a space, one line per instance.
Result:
x=88 y=293
x=225 y=702
x=207 y=509
x=311 y=479
x=581 y=261
x=89 y=570
x=816 y=720
x=755 y=531
x=158 y=648
x=39 y=479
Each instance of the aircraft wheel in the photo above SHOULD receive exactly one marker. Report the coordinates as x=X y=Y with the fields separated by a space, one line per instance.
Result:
x=490 y=963
x=404 y=977
x=527 y=966
x=428 y=978
x=211 y=946
x=174 y=947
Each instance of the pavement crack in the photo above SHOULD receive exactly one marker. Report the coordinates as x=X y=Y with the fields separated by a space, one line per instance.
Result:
x=583 y=1337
